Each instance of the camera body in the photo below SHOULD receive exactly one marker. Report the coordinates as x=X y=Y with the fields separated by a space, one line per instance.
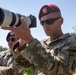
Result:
x=8 y=18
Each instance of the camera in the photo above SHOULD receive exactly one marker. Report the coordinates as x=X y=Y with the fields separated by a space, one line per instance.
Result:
x=8 y=18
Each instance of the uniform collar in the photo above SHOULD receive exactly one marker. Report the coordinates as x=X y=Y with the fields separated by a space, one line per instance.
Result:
x=64 y=36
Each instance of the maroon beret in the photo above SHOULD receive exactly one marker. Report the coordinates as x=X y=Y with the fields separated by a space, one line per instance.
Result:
x=46 y=9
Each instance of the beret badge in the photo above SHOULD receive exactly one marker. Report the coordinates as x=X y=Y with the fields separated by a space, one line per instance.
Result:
x=44 y=10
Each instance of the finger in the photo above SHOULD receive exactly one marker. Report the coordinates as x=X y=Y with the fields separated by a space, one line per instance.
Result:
x=13 y=29
x=23 y=22
x=7 y=28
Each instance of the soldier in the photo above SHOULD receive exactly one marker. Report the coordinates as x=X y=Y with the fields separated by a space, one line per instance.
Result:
x=7 y=64
x=55 y=55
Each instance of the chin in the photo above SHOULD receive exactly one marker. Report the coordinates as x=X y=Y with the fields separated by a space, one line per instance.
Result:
x=10 y=47
x=47 y=34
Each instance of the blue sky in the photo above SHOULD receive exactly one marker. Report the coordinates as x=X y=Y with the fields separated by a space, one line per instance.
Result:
x=25 y=7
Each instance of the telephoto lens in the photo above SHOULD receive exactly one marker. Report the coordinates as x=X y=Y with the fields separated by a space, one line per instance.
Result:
x=8 y=18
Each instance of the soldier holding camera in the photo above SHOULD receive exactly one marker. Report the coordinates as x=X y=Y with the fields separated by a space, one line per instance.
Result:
x=55 y=55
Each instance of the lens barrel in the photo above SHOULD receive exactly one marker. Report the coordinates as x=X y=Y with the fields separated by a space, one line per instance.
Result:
x=8 y=18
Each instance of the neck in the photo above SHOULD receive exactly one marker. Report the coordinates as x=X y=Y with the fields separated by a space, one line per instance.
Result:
x=10 y=50
x=57 y=35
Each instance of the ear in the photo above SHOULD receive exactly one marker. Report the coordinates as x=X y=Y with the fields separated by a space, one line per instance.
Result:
x=61 y=20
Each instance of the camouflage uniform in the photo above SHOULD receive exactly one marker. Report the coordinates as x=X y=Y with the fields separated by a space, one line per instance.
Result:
x=51 y=57
x=6 y=59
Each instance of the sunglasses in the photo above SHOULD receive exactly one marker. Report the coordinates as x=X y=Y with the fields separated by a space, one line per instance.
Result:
x=11 y=39
x=49 y=21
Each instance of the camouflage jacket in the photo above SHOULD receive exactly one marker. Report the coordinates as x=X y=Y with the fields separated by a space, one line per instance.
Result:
x=7 y=59
x=50 y=57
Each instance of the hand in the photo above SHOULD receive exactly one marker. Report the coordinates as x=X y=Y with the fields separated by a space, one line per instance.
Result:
x=22 y=32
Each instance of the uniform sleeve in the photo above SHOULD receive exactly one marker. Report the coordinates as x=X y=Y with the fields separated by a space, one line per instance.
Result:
x=42 y=59
x=20 y=60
